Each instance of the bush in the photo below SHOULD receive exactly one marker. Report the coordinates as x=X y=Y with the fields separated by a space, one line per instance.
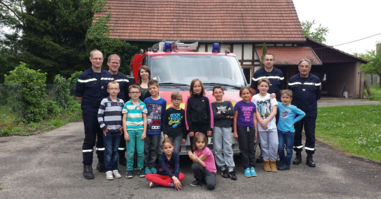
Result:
x=73 y=81
x=29 y=104
x=61 y=92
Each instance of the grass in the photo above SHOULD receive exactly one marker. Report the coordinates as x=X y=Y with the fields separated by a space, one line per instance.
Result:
x=353 y=129
x=376 y=93
x=11 y=125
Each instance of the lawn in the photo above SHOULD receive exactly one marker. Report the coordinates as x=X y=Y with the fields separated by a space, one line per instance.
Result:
x=11 y=125
x=353 y=129
x=376 y=93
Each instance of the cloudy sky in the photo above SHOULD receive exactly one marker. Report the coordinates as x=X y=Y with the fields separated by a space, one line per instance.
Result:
x=347 y=21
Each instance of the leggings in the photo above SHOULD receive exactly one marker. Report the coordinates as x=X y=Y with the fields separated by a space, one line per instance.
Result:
x=163 y=180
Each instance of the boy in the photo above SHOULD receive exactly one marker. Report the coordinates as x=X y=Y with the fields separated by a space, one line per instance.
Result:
x=134 y=128
x=110 y=121
x=222 y=133
x=174 y=122
x=288 y=116
x=156 y=112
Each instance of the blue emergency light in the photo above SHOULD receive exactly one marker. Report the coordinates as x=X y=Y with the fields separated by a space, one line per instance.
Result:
x=167 y=47
x=216 y=48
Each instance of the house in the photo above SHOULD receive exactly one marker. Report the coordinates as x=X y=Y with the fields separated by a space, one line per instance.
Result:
x=241 y=27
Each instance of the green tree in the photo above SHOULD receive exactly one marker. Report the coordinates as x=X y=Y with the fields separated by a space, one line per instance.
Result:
x=318 y=33
x=374 y=63
x=50 y=33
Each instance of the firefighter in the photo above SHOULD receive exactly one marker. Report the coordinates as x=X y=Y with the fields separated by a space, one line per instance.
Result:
x=306 y=89
x=276 y=78
x=113 y=63
x=90 y=90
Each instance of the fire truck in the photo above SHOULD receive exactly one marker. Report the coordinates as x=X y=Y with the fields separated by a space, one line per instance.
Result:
x=176 y=64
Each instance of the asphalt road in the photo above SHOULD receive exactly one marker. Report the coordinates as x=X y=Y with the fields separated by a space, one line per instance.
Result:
x=49 y=166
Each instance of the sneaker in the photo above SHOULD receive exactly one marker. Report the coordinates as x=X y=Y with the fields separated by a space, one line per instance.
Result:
x=141 y=173
x=195 y=183
x=116 y=174
x=147 y=170
x=284 y=167
x=232 y=175
x=247 y=172
x=151 y=185
x=109 y=175
x=130 y=174
x=225 y=173
x=252 y=172
x=153 y=170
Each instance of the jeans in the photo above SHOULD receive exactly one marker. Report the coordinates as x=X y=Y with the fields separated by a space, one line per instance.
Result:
x=285 y=138
x=111 y=142
x=222 y=146
x=204 y=176
x=269 y=144
x=177 y=142
x=151 y=150
x=135 y=139
x=246 y=136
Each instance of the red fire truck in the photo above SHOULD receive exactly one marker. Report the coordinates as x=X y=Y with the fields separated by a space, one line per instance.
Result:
x=176 y=64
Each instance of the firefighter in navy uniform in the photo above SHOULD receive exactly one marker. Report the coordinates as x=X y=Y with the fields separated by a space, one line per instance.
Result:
x=113 y=63
x=90 y=90
x=276 y=78
x=306 y=91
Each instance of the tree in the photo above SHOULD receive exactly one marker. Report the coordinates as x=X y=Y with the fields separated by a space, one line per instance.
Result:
x=318 y=33
x=374 y=64
x=50 y=33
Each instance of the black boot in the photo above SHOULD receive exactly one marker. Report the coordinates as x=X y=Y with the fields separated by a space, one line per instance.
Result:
x=310 y=161
x=101 y=167
x=298 y=158
x=88 y=172
x=122 y=158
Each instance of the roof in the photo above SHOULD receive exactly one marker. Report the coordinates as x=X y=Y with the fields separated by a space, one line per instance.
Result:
x=201 y=20
x=329 y=54
x=292 y=55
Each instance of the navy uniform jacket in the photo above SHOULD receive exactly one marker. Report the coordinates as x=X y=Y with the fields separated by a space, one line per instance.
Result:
x=124 y=83
x=92 y=87
x=306 y=92
x=276 y=80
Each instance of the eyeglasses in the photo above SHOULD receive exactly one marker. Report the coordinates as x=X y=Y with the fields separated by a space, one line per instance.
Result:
x=113 y=88
x=134 y=92
x=177 y=99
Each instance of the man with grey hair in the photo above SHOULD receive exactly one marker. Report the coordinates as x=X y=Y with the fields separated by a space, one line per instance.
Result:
x=306 y=90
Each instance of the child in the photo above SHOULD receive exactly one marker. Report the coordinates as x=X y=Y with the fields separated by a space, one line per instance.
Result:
x=245 y=129
x=203 y=167
x=222 y=133
x=110 y=121
x=288 y=116
x=174 y=122
x=156 y=112
x=169 y=168
x=199 y=114
x=134 y=128
x=268 y=135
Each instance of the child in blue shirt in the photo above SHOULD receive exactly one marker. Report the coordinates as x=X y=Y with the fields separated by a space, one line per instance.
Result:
x=288 y=116
x=156 y=111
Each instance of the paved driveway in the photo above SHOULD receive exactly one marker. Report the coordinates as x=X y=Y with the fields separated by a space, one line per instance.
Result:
x=49 y=166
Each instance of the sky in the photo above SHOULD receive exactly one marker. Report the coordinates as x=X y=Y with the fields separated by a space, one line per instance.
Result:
x=346 y=20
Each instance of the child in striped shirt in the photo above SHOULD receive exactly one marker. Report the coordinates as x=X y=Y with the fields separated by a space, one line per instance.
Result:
x=134 y=128
x=110 y=121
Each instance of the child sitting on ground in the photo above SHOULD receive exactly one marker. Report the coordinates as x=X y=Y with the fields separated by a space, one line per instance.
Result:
x=168 y=174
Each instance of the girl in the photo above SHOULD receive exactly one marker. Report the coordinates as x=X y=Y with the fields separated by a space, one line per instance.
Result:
x=168 y=174
x=244 y=127
x=203 y=167
x=199 y=114
x=144 y=77
x=268 y=135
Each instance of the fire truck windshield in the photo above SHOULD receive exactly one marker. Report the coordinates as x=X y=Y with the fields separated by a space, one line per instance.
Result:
x=210 y=69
